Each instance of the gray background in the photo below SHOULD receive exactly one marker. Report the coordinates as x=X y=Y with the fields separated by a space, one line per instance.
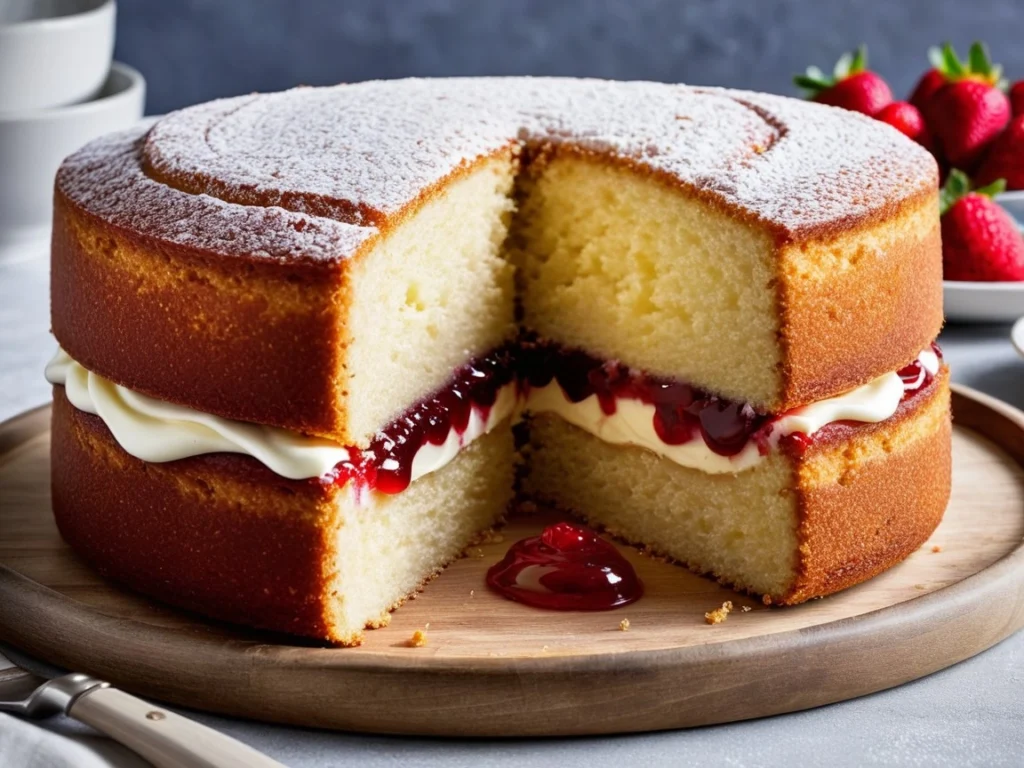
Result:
x=194 y=50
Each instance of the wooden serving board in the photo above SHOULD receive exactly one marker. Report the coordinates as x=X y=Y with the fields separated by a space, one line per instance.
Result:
x=496 y=668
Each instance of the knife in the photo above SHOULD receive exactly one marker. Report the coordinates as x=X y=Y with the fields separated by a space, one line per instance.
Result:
x=164 y=738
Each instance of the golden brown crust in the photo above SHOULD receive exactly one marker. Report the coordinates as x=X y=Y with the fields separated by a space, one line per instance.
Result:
x=870 y=495
x=216 y=534
x=858 y=305
x=259 y=341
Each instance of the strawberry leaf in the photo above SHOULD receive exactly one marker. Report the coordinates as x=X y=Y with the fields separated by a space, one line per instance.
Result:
x=811 y=85
x=997 y=187
x=980 y=62
x=978 y=66
x=957 y=185
x=997 y=78
x=842 y=68
x=814 y=81
x=951 y=64
x=860 y=60
x=817 y=74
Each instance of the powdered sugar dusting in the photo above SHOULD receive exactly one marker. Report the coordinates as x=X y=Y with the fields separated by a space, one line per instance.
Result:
x=244 y=171
x=106 y=179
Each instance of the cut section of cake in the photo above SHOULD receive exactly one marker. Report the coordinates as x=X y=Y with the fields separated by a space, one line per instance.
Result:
x=267 y=527
x=296 y=329
x=789 y=507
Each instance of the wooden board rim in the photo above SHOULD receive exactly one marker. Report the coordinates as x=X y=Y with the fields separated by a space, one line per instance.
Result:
x=935 y=630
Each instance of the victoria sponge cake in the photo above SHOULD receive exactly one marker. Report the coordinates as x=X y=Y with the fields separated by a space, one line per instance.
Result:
x=296 y=330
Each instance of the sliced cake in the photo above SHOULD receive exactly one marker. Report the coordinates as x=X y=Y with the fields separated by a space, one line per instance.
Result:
x=297 y=328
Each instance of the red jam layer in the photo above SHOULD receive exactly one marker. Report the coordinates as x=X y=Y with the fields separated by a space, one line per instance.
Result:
x=387 y=464
x=566 y=568
x=681 y=412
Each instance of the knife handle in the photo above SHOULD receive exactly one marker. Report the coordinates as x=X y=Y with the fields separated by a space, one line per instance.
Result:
x=165 y=739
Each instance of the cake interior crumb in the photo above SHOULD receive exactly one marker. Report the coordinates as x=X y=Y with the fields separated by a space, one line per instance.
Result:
x=418 y=639
x=624 y=625
x=718 y=615
x=936 y=548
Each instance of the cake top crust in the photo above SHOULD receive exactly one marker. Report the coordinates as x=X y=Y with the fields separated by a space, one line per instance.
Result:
x=314 y=173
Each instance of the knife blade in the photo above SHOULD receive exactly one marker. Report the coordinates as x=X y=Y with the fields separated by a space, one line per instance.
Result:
x=165 y=738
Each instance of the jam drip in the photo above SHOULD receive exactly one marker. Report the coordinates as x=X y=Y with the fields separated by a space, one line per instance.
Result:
x=681 y=412
x=566 y=568
x=387 y=464
x=915 y=376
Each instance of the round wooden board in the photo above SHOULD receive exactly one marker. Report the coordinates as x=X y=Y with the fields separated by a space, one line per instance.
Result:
x=496 y=668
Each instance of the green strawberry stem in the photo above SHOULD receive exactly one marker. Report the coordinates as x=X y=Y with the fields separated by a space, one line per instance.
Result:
x=958 y=185
x=814 y=81
x=978 y=66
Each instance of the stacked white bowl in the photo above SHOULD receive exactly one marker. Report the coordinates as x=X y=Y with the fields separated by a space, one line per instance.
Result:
x=59 y=88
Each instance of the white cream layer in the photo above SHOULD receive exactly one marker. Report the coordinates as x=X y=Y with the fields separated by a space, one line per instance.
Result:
x=632 y=423
x=157 y=431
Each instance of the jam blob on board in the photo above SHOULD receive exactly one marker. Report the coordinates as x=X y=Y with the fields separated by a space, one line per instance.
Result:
x=566 y=568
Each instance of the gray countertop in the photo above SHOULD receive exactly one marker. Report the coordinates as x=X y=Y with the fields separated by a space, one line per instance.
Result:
x=970 y=714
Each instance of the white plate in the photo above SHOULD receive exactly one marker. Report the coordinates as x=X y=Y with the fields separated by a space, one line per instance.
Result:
x=1017 y=336
x=976 y=302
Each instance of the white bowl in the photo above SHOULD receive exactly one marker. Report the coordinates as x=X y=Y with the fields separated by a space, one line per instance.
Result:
x=1013 y=202
x=1017 y=336
x=53 y=52
x=978 y=302
x=33 y=144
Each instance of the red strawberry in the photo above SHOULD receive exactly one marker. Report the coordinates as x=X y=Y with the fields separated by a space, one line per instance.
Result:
x=965 y=116
x=851 y=86
x=969 y=110
x=904 y=117
x=1017 y=97
x=926 y=87
x=1005 y=158
x=980 y=241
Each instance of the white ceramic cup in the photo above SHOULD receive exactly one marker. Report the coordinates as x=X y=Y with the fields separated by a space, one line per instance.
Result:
x=33 y=144
x=53 y=52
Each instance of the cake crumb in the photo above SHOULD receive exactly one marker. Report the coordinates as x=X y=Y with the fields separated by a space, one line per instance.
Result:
x=624 y=625
x=936 y=549
x=919 y=586
x=472 y=592
x=418 y=639
x=718 y=615
x=746 y=608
